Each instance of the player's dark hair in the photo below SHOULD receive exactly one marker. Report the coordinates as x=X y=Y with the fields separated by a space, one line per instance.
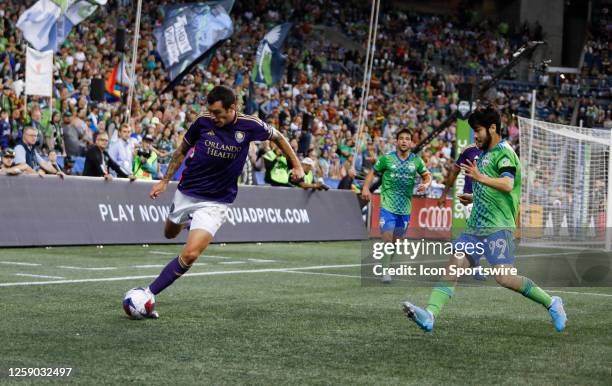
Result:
x=485 y=116
x=402 y=131
x=223 y=94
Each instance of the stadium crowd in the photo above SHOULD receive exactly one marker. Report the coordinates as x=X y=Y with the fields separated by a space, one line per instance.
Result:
x=413 y=85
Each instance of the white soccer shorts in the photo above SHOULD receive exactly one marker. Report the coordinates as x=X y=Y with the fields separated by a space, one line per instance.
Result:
x=206 y=215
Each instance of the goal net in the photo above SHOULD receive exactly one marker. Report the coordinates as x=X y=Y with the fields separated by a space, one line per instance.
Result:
x=564 y=200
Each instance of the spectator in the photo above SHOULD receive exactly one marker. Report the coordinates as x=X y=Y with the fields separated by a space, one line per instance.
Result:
x=5 y=130
x=72 y=136
x=122 y=149
x=8 y=167
x=165 y=145
x=145 y=162
x=53 y=161
x=346 y=183
x=26 y=154
x=55 y=140
x=36 y=122
x=98 y=162
x=310 y=181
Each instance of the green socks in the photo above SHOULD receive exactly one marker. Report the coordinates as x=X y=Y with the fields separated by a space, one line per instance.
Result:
x=530 y=290
x=440 y=295
x=386 y=260
x=444 y=290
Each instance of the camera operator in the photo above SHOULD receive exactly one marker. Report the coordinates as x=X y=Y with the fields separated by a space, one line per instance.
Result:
x=145 y=160
x=309 y=179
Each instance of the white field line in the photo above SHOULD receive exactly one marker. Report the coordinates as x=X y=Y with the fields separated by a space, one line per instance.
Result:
x=87 y=268
x=263 y=270
x=229 y=262
x=19 y=263
x=202 y=257
x=551 y=254
x=322 y=274
x=580 y=293
x=213 y=273
x=39 y=276
x=232 y=262
x=262 y=261
x=495 y=288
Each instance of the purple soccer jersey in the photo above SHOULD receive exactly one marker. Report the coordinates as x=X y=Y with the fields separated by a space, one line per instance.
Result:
x=211 y=172
x=468 y=154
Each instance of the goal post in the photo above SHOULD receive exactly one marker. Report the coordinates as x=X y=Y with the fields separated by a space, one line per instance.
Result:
x=565 y=200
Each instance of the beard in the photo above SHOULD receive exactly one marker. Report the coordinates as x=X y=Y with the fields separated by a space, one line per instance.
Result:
x=485 y=144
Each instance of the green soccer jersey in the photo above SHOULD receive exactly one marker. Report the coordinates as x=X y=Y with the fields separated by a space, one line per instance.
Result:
x=495 y=210
x=398 y=178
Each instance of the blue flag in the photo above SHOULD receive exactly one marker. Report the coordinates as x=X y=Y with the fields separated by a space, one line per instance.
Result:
x=189 y=35
x=270 y=62
x=47 y=23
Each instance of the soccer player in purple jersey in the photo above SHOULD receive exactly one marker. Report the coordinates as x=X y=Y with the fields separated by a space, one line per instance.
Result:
x=209 y=182
x=469 y=153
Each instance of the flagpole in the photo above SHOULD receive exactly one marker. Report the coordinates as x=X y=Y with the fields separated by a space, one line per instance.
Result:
x=25 y=93
x=132 y=79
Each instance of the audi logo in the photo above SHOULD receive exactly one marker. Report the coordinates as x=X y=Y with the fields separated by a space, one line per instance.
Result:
x=435 y=218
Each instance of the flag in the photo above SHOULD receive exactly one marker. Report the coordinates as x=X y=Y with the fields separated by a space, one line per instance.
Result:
x=118 y=80
x=47 y=23
x=39 y=72
x=37 y=22
x=270 y=62
x=190 y=33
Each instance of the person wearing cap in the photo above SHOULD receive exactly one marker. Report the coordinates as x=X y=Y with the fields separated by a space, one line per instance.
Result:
x=145 y=161
x=8 y=168
x=309 y=179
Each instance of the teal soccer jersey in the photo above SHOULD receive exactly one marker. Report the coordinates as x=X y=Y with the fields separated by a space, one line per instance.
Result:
x=495 y=210
x=398 y=179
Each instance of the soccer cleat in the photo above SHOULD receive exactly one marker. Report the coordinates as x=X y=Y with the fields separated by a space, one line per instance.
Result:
x=423 y=318
x=386 y=279
x=557 y=313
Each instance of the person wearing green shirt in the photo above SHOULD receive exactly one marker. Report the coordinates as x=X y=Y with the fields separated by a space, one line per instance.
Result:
x=398 y=171
x=496 y=175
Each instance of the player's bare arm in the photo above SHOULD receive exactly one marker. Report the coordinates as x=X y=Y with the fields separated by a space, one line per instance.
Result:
x=448 y=184
x=503 y=184
x=365 y=191
x=175 y=163
x=426 y=182
x=280 y=140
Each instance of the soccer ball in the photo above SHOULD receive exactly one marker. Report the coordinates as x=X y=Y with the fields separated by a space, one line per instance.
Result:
x=138 y=303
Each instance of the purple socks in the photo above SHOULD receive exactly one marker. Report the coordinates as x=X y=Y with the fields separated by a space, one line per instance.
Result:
x=168 y=275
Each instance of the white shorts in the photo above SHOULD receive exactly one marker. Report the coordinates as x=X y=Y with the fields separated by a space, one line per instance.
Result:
x=206 y=215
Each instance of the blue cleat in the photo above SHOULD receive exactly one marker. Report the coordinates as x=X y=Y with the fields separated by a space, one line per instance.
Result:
x=423 y=318
x=557 y=313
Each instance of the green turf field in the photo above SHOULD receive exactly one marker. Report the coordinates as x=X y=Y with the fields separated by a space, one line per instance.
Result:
x=281 y=314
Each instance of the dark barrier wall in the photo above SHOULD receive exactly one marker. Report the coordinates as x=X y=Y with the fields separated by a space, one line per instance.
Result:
x=79 y=210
